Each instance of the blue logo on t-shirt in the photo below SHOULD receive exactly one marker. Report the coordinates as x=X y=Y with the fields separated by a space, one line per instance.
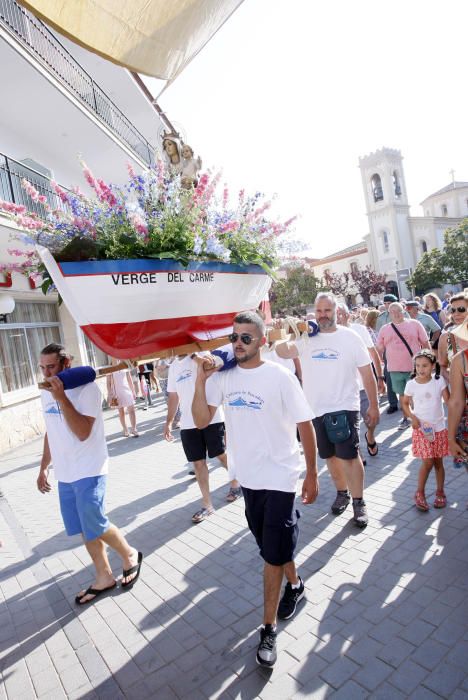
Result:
x=53 y=409
x=243 y=399
x=184 y=375
x=325 y=354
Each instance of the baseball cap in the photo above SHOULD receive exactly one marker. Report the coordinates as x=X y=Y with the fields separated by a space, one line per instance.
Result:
x=390 y=297
x=413 y=302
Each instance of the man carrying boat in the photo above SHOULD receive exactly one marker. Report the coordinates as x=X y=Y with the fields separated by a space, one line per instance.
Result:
x=263 y=403
x=75 y=444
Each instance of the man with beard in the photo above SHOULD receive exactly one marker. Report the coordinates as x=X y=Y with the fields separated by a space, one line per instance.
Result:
x=331 y=364
x=263 y=404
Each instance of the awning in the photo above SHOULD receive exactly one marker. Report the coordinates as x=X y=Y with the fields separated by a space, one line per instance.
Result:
x=154 y=37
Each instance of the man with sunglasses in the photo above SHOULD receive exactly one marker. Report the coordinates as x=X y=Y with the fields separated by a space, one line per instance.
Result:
x=263 y=404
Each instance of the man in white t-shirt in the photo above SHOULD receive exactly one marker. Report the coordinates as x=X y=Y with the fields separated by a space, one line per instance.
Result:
x=263 y=404
x=75 y=444
x=332 y=362
x=196 y=443
x=343 y=319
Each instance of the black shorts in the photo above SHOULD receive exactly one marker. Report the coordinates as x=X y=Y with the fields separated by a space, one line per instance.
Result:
x=344 y=450
x=272 y=519
x=197 y=442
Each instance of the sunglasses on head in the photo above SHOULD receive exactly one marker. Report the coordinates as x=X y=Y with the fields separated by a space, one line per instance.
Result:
x=460 y=309
x=245 y=338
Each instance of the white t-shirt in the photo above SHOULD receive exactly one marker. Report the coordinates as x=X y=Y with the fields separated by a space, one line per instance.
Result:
x=270 y=355
x=72 y=458
x=427 y=401
x=181 y=380
x=330 y=364
x=364 y=334
x=262 y=407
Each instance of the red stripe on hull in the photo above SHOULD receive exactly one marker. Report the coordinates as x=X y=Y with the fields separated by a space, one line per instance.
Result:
x=127 y=340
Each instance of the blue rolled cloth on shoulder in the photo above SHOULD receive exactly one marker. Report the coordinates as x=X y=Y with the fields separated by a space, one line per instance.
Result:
x=76 y=376
x=313 y=329
x=226 y=354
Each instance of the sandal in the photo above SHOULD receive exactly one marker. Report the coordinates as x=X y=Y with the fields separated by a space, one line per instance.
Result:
x=132 y=570
x=95 y=592
x=440 y=500
x=372 y=446
x=234 y=494
x=202 y=514
x=420 y=501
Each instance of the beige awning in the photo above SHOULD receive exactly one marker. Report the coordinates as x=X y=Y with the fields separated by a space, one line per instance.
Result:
x=155 y=37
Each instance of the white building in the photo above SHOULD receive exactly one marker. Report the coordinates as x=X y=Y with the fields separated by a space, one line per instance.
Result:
x=396 y=241
x=58 y=102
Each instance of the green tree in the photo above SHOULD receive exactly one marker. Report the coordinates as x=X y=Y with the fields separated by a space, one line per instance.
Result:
x=446 y=265
x=296 y=292
x=455 y=254
x=428 y=273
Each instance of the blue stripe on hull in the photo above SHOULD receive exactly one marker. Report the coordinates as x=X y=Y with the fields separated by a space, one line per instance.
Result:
x=108 y=267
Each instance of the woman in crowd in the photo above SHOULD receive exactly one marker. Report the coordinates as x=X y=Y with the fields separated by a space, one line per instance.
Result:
x=371 y=320
x=433 y=307
x=449 y=343
x=121 y=395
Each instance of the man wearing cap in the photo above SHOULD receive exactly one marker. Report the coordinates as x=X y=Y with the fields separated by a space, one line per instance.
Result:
x=432 y=328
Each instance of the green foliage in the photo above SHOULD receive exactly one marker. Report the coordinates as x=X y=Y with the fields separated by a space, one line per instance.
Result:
x=296 y=292
x=446 y=265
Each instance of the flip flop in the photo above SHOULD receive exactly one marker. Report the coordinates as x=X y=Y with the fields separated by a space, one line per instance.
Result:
x=132 y=570
x=372 y=446
x=96 y=592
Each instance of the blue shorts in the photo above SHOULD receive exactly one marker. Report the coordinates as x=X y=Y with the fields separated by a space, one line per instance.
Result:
x=82 y=506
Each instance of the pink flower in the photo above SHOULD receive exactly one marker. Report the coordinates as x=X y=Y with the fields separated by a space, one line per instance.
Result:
x=30 y=189
x=58 y=190
x=131 y=171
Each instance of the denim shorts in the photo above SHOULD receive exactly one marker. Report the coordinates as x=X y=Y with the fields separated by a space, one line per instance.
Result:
x=82 y=506
x=272 y=519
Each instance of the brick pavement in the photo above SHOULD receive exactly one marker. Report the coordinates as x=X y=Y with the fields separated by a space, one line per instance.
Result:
x=385 y=617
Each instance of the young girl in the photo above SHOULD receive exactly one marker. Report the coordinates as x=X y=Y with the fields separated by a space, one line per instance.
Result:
x=422 y=404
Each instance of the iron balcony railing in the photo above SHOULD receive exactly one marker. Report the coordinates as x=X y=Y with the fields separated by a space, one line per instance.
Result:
x=43 y=45
x=11 y=190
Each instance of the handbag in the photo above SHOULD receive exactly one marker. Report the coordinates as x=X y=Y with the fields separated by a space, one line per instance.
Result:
x=114 y=401
x=337 y=426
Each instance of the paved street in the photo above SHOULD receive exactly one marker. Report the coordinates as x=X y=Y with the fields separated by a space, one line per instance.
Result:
x=386 y=614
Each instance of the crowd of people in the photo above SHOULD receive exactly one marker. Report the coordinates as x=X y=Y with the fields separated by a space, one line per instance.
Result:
x=309 y=392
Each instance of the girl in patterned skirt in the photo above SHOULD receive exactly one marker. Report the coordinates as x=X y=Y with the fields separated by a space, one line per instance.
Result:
x=423 y=405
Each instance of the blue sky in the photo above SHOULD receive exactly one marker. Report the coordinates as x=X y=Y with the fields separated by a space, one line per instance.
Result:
x=290 y=93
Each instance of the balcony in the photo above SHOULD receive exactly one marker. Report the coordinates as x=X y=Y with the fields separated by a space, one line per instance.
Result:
x=42 y=44
x=11 y=174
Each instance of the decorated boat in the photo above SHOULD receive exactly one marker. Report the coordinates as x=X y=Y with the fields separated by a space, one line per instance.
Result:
x=138 y=307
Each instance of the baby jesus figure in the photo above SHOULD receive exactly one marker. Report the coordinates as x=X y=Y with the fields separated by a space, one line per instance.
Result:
x=190 y=167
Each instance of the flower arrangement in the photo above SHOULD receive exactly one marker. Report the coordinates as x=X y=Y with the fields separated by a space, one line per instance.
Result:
x=151 y=216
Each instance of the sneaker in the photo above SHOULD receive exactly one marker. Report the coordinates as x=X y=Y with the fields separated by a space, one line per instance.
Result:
x=291 y=597
x=360 y=512
x=404 y=423
x=392 y=409
x=266 y=650
x=340 y=503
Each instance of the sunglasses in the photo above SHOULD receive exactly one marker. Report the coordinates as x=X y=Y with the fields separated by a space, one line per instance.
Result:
x=460 y=309
x=245 y=338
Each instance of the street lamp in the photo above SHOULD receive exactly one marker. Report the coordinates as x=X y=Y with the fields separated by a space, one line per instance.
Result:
x=7 y=306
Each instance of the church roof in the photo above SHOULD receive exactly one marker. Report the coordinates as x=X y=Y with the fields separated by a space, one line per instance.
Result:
x=448 y=188
x=345 y=252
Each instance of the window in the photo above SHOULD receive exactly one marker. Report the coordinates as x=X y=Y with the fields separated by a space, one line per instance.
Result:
x=377 y=191
x=385 y=242
x=396 y=184
x=94 y=356
x=444 y=210
x=30 y=327
x=354 y=267
x=424 y=246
